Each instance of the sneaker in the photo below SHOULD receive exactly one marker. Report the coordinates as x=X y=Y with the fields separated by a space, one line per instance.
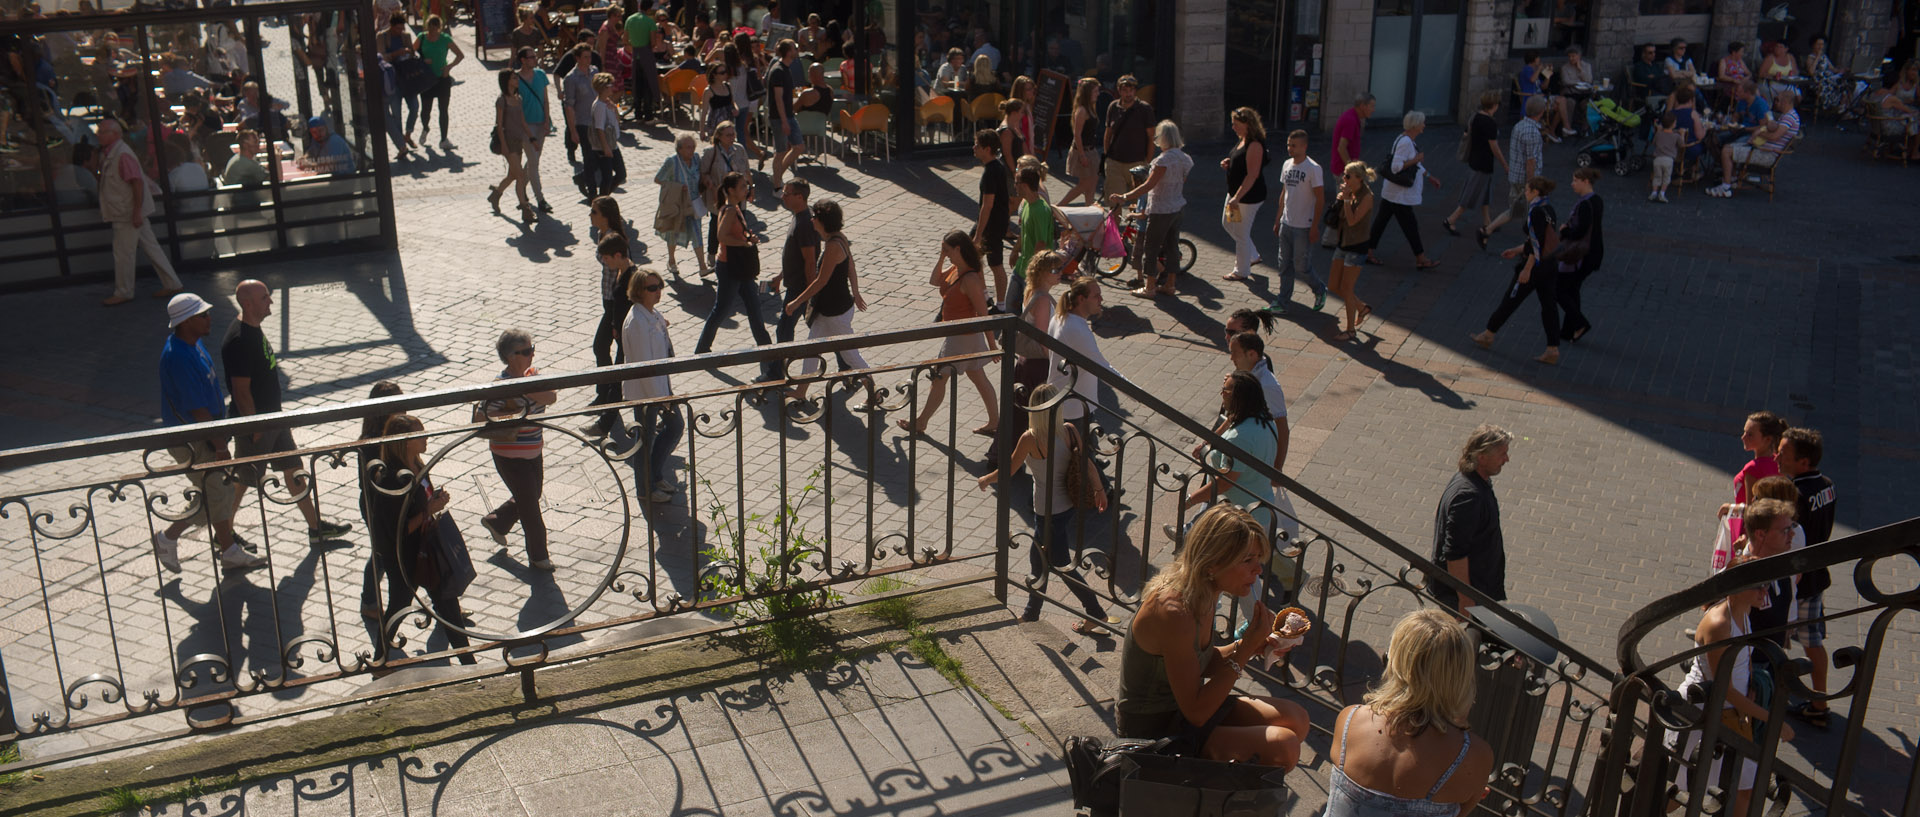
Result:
x=236 y=558
x=1552 y=138
x=1319 y=300
x=542 y=565
x=595 y=428
x=167 y=550
x=660 y=494
x=499 y=535
x=1567 y=131
x=1663 y=197
x=1653 y=195
x=327 y=530
x=445 y=143
x=1275 y=308
x=244 y=544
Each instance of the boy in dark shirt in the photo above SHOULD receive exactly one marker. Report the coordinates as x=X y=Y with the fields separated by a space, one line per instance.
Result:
x=1799 y=455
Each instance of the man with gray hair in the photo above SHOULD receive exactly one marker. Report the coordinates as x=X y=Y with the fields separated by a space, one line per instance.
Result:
x=1526 y=153
x=1466 y=526
x=126 y=202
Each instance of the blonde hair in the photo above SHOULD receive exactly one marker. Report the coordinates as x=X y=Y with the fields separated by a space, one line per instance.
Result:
x=1428 y=680
x=638 y=282
x=1364 y=170
x=1042 y=263
x=1777 y=487
x=1043 y=422
x=983 y=69
x=1031 y=161
x=1219 y=538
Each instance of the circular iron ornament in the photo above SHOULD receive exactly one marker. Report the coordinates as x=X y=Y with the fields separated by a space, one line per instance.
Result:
x=565 y=618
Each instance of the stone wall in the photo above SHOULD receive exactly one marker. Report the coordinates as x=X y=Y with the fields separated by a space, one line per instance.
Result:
x=1616 y=31
x=1733 y=21
x=1860 y=28
x=1484 y=61
x=1348 y=66
x=1200 y=69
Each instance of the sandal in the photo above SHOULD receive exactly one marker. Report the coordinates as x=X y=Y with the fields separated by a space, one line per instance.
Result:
x=1430 y=264
x=1448 y=226
x=1085 y=627
x=1365 y=311
x=1234 y=276
x=1807 y=712
x=1343 y=337
x=1482 y=236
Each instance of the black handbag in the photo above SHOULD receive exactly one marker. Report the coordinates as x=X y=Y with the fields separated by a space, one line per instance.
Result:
x=1408 y=173
x=413 y=76
x=453 y=563
x=493 y=142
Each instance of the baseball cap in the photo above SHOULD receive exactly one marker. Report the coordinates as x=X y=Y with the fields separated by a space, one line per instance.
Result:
x=317 y=122
x=184 y=306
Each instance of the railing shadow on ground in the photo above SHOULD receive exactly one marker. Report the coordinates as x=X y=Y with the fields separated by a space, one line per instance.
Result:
x=1354 y=580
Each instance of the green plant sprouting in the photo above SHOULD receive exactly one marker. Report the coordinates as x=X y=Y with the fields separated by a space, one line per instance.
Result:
x=769 y=584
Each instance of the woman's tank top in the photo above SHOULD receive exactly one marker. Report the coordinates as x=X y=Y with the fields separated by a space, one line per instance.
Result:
x=1700 y=672
x=836 y=295
x=954 y=304
x=1143 y=679
x=1346 y=798
x=1050 y=498
x=1354 y=237
x=1237 y=175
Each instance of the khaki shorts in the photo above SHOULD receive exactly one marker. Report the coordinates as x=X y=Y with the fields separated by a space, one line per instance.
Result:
x=218 y=491
x=1517 y=199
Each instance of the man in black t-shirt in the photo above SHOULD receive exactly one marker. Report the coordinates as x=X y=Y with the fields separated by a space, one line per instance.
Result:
x=1798 y=456
x=799 y=261
x=1129 y=137
x=253 y=378
x=1467 y=542
x=990 y=229
x=781 y=79
x=1483 y=150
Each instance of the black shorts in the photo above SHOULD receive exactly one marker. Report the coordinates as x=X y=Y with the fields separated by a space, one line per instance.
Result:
x=994 y=249
x=274 y=442
x=1156 y=725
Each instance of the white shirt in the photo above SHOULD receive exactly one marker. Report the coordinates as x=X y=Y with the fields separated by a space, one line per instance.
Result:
x=1077 y=334
x=1298 y=180
x=645 y=338
x=1169 y=195
x=189 y=177
x=1403 y=152
x=1276 y=398
x=993 y=55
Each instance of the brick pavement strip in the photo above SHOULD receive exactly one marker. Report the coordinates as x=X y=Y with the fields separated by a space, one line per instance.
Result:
x=1703 y=309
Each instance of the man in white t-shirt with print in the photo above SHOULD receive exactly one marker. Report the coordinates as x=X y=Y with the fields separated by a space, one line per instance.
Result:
x=1303 y=197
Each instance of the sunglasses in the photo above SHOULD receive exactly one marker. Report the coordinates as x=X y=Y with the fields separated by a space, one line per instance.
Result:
x=527 y=351
x=653 y=287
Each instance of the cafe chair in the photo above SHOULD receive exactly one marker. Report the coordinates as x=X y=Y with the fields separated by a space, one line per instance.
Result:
x=1886 y=135
x=1764 y=164
x=678 y=83
x=1145 y=94
x=871 y=119
x=983 y=108
x=813 y=132
x=935 y=111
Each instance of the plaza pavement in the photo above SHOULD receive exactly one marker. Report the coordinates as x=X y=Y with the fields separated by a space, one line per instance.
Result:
x=1705 y=310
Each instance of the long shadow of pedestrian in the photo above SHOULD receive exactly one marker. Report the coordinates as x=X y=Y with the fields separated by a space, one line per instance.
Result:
x=1403 y=376
x=290 y=595
x=235 y=625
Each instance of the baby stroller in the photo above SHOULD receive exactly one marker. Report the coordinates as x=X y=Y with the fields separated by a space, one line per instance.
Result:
x=1613 y=130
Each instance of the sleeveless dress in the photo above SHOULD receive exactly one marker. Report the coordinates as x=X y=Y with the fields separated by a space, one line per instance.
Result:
x=1346 y=798
x=1700 y=673
x=956 y=306
x=1144 y=706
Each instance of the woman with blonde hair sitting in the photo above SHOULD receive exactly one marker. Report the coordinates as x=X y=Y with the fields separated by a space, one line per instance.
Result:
x=1175 y=683
x=1413 y=722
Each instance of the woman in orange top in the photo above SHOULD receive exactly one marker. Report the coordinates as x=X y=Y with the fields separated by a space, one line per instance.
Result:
x=962 y=296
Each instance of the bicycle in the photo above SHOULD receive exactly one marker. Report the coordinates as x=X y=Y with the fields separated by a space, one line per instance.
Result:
x=1178 y=256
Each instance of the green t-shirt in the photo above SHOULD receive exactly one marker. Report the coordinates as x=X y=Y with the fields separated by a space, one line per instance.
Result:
x=435 y=51
x=1036 y=232
x=640 y=28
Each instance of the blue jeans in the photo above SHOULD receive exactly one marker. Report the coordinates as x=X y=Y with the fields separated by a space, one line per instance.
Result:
x=728 y=289
x=660 y=429
x=1060 y=555
x=395 y=133
x=1296 y=256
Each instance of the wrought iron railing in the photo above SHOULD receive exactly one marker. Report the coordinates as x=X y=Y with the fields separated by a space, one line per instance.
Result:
x=282 y=640
x=1650 y=717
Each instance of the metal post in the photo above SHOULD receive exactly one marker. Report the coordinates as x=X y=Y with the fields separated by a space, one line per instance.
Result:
x=527 y=692
x=7 y=726
x=373 y=97
x=1004 y=440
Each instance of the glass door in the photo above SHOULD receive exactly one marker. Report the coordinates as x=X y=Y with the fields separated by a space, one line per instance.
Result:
x=1416 y=57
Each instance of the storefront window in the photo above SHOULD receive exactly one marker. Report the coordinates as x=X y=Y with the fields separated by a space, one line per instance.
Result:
x=1550 y=25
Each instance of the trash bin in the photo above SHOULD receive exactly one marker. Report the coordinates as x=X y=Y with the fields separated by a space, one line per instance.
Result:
x=1504 y=714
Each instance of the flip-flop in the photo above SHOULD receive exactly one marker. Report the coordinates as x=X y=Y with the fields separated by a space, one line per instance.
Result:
x=909 y=427
x=1482 y=236
x=1429 y=265
x=1342 y=337
x=1234 y=276
x=986 y=432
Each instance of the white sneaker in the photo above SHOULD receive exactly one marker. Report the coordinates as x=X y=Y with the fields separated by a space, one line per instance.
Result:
x=234 y=557
x=1567 y=131
x=167 y=549
x=1663 y=197
x=1653 y=196
x=445 y=143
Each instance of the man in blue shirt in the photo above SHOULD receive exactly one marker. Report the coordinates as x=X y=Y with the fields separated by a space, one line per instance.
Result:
x=327 y=152
x=189 y=394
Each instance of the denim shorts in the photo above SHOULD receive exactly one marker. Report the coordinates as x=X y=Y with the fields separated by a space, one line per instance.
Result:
x=1352 y=258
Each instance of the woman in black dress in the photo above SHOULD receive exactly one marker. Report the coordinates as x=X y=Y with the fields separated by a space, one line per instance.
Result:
x=1532 y=276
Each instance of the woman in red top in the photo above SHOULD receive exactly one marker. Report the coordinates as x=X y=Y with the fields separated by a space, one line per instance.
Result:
x=962 y=296
x=1761 y=436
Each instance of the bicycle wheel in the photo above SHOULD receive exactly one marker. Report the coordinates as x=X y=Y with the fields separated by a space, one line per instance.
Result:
x=1187 y=253
x=1112 y=267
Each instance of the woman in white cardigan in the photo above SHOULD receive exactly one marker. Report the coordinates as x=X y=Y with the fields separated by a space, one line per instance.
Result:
x=645 y=335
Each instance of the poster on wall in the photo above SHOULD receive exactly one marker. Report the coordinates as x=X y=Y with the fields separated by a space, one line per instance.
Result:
x=1531 y=32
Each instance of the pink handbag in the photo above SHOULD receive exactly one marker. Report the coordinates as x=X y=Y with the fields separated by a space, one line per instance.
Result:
x=1111 y=246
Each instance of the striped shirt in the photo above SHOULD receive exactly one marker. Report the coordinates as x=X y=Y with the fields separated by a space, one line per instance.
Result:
x=525 y=445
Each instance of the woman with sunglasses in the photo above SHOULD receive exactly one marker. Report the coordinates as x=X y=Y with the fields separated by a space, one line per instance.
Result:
x=534 y=102
x=645 y=334
x=737 y=267
x=833 y=294
x=518 y=458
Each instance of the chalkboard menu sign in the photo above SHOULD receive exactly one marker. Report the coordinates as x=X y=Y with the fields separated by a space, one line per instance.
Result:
x=1051 y=96
x=493 y=24
x=777 y=31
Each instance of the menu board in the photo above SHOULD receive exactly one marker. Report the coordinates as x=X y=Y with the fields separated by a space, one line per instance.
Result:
x=1051 y=96
x=494 y=24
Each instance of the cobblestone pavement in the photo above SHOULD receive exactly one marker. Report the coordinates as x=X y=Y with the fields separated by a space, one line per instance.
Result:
x=1705 y=310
